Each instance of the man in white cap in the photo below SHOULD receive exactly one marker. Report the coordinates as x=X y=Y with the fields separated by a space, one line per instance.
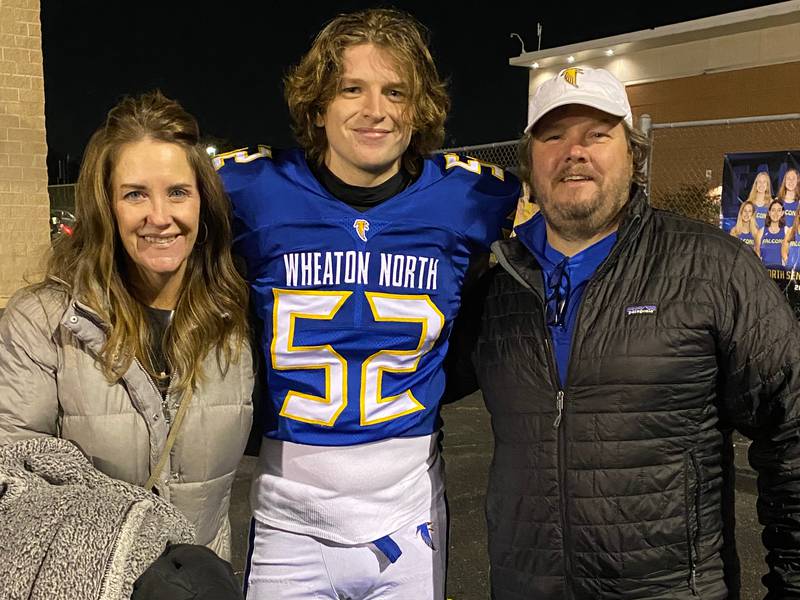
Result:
x=618 y=348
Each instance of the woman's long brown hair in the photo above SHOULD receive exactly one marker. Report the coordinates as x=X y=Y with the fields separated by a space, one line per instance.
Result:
x=211 y=309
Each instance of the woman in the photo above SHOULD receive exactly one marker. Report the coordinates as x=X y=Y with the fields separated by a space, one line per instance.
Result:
x=787 y=194
x=745 y=228
x=760 y=197
x=790 y=250
x=770 y=239
x=140 y=322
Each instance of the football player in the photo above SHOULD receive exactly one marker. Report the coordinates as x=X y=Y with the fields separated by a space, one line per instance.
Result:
x=356 y=247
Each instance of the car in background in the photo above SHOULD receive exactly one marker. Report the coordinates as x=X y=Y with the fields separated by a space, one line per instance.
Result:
x=61 y=221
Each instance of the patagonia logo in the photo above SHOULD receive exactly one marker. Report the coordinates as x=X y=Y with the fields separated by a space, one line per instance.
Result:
x=642 y=309
x=362 y=227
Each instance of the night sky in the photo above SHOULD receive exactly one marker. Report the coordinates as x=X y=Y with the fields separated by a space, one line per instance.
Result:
x=226 y=64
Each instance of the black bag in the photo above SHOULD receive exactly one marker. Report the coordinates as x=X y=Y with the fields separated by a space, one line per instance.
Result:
x=188 y=572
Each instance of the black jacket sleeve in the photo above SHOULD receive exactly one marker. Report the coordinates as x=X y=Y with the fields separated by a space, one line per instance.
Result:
x=760 y=381
x=458 y=364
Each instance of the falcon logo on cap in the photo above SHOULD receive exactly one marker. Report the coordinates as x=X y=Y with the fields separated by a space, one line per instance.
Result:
x=362 y=227
x=571 y=75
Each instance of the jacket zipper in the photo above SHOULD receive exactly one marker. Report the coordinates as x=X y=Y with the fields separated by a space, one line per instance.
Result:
x=560 y=412
x=130 y=524
x=697 y=495
x=165 y=409
x=559 y=408
x=108 y=566
x=561 y=436
x=562 y=463
x=692 y=502
x=164 y=400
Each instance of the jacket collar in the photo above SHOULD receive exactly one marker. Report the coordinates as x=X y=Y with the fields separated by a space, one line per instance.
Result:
x=515 y=258
x=85 y=325
x=637 y=210
x=89 y=329
x=81 y=320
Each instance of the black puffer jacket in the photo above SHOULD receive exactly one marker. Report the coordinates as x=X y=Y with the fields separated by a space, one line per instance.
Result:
x=680 y=337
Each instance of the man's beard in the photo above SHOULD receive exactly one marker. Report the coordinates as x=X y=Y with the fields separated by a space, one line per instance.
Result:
x=583 y=220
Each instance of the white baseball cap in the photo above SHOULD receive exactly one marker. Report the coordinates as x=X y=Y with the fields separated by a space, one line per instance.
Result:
x=580 y=85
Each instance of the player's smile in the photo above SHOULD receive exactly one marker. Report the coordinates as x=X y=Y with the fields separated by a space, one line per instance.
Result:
x=370 y=134
x=364 y=123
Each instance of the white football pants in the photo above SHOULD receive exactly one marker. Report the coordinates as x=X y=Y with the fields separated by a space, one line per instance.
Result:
x=291 y=566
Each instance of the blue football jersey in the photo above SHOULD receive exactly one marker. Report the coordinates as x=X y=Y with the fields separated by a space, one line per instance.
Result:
x=358 y=306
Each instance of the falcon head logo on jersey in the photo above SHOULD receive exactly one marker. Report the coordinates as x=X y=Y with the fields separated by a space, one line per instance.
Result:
x=571 y=75
x=362 y=227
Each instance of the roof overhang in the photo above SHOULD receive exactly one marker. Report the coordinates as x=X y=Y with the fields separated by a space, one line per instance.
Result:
x=595 y=52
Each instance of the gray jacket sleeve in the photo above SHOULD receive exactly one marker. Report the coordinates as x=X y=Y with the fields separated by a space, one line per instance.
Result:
x=28 y=368
x=760 y=378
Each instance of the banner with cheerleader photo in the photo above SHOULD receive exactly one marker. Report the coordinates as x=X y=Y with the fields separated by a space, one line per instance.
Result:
x=759 y=206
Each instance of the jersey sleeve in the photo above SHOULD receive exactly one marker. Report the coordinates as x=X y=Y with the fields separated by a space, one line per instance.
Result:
x=244 y=175
x=492 y=194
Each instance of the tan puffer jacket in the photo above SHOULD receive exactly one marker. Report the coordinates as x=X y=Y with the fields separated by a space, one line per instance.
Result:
x=50 y=384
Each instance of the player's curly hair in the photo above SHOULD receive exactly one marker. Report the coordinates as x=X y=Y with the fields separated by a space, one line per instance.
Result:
x=312 y=84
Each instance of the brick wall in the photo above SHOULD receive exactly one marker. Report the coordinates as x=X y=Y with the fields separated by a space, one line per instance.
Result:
x=24 y=204
x=768 y=90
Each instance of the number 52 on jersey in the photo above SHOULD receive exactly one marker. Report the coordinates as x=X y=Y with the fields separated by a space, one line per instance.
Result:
x=293 y=305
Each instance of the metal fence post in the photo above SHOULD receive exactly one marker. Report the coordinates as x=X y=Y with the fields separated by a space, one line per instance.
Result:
x=646 y=127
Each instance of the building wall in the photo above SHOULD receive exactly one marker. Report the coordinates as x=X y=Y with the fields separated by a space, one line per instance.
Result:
x=767 y=90
x=687 y=162
x=24 y=204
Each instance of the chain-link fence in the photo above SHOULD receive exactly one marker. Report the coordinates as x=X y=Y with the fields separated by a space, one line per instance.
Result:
x=685 y=163
x=687 y=158
x=503 y=154
x=62 y=197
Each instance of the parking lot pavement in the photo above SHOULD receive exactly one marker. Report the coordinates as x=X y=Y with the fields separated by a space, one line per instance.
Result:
x=467 y=452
